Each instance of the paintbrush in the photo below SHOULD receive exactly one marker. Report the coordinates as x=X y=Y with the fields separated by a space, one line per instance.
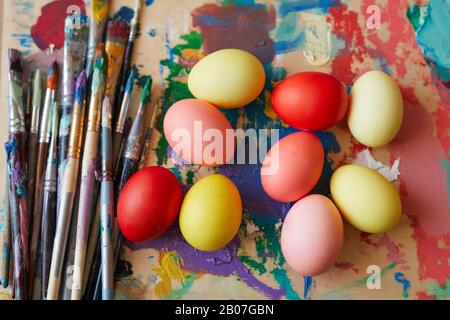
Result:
x=123 y=114
x=33 y=137
x=99 y=10
x=44 y=141
x=107 y=203
x=116 y=37
x=130 y=161
x=75 y=47
x=129 y=49
x=28 y=101
x=49 y=202
x=6 y=250
x=15 y=151
x=68 y=188
x=88 y=170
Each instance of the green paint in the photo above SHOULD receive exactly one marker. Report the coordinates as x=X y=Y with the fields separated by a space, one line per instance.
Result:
x=280 y=276
x=147 y=91
x=187 y=283
x=436 y=290
x=175 y=90
x=190 y=177
x=446 y=165
x=253 y=264
x=363 y=281
x=417 y=15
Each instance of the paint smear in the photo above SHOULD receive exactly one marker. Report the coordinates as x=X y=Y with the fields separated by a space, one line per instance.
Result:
x=49 y=27
x=432 y=35
x=401 y=278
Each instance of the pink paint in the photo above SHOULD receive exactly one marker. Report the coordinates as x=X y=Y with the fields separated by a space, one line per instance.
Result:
x=49 y=27
x=394 y=252
x=423 y=177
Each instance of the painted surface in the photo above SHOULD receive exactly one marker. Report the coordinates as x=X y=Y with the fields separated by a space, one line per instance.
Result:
x=412 y=45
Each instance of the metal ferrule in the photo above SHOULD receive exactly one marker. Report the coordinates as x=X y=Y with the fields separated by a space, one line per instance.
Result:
x=123 y=113
x=94 y=113
x=34 y=126
x=76 y=131
x=44 y=132
x=16 y=112
x=135 y=142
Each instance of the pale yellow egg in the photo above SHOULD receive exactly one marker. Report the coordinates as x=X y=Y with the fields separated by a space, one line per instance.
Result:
x=365 y=198
x=228 y=78
x=376 y=109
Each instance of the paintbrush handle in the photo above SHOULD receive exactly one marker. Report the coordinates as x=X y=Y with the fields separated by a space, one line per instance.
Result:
x=33 y=138
x=48 y=233
x=84 y=209
x=117 y=142
x=38 y=196
x=19 y=217
x=68 y=189
x=6 y=250
x=107 y=218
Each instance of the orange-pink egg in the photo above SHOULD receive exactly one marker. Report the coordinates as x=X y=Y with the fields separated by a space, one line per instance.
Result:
x=312 y=235
x=199 y=133
x=292 y=167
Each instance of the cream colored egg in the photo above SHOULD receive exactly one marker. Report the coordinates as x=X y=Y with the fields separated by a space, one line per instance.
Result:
x=365 y=198
x=228 y=78
x=376 y=109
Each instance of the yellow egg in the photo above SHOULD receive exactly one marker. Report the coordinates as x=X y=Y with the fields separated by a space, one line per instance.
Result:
x=211 y=213
x=366 y=199
x=228 y=78
x=376 y=109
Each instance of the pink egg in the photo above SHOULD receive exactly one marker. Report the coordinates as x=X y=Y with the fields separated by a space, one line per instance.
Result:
x=312 y=235
x=197 y=132
x=292 y=167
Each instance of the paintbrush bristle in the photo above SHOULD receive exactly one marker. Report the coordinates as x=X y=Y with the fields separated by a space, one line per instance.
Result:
x=117 y=31
x=52 y=76
x=15 y=60
x=80 y=87
x=76 y=27
x=146 y=92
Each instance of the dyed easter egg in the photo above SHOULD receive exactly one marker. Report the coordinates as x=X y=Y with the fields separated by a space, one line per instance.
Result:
x=211 y=213
x=376 y=109
x=228 y=78
x=310 y=101
x=366 y=199
x=148 y=204
x=196 y=131
x=312 y=235
x=292 y=167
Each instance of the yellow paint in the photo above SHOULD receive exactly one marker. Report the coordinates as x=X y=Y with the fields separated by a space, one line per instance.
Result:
x=115 y=52
x=5 y=296
x=268 y=111
x=192 y=54
x=99 y=10
x=169 y=270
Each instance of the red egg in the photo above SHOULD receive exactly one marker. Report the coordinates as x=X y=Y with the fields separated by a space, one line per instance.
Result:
x=148 y=204
x=311 y=101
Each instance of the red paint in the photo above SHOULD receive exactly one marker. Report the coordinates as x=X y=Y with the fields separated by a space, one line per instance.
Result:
x=299 y=100
x=346 y=266
x=148 y=204
x=49 y=27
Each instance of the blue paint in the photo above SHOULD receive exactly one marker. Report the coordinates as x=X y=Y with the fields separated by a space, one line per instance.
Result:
x=400 y=278
x=124 y=14
x=432 y=34
x=287 y=46
x=301 y=5
x=149 y=2
x=308 y=284
x=25 y=40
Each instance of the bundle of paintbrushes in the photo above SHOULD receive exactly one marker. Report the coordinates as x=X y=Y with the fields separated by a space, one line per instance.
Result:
x=68 y=156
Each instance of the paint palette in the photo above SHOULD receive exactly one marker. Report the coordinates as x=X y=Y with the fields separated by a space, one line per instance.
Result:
x=287 y=36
